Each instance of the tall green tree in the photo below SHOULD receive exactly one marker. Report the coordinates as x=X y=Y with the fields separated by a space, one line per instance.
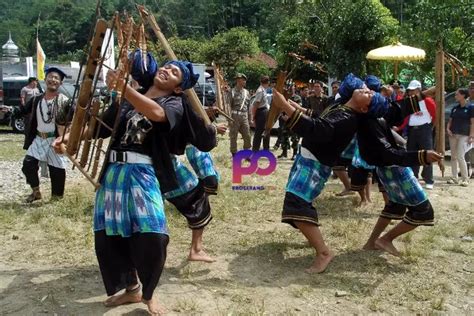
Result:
x=449 y=22
x=340 y=32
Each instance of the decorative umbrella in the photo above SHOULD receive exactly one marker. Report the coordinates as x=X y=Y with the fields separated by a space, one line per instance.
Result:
x=396 y=52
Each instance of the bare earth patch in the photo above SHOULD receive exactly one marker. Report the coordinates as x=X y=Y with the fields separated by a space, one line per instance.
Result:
x=48 y=265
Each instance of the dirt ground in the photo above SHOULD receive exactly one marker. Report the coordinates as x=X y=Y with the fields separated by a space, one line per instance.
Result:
x=48 y=265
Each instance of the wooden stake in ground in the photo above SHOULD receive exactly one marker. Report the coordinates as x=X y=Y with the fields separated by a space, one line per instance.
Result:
x=440 y=128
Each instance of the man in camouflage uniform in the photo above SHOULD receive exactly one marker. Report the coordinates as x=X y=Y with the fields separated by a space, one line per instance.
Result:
x=239 y=99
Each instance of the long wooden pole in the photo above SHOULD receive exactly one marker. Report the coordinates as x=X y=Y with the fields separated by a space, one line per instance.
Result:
x=439 y=96
x=274 y=111
x=190 y=93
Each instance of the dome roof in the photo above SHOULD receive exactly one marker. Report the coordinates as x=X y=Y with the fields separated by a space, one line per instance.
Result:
x=9 y=48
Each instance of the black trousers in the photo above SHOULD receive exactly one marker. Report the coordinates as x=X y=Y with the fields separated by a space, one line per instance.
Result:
x=194 y=206
x=260 y=120
x=57 y=175
x=421 y=137
x=122 y=259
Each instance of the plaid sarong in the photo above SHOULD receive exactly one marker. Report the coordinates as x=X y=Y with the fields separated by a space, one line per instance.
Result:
x=187 y=181
x=201 y=162
x=307 y=178
x=41 y=149
x=401 y=185
x=129 y=201
x=358 y=161
x=348 y=152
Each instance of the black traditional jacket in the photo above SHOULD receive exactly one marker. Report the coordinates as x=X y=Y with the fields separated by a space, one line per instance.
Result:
x=377 y=144
x=328 y=135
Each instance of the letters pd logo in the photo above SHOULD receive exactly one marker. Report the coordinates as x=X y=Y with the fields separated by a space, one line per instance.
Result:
x=238 y=170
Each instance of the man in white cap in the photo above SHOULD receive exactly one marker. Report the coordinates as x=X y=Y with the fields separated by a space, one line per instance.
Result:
x=420 y=129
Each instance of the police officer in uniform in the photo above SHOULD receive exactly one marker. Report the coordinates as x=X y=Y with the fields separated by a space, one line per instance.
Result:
x=239 y=99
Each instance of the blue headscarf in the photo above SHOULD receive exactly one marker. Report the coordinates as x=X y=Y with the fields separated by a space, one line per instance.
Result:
x=143 y=71
x=378 y=106
x=348 y=85
x=189 y=77
x=373 y=83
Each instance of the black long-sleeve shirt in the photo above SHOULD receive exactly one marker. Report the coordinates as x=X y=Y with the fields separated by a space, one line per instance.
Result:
x=328 y=135
x=377 y=144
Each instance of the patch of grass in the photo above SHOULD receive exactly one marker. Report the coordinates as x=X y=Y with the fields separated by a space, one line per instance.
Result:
x=375 y=304
x=186 y=305
x=301 y=291
x=455 y=247
x=470 y=230
x=438 y=304
x=414 y=253
x=11 y=148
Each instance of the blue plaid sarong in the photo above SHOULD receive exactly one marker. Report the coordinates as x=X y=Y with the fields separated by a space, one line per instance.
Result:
x=201 y=162
x=348 y=152
x=129 y=201
x=401 y=185
x=187 y=181
x=307 y=178
x=358 y=161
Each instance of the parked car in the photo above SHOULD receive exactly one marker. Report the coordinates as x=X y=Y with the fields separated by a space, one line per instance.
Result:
x=209 y=91
x=11 y=100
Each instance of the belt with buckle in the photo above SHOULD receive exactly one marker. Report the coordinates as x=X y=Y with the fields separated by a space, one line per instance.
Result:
x=420 y=126
x=129 y=157
x=45 y=135
x=238 y=112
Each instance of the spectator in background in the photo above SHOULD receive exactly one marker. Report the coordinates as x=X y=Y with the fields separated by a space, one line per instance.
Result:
x=304 y=97
x=399 y=92
x=318 y=101
x=259 y=113
x=29 y=91
x=239 y=99
x=48 y=116
x=460 y=130
x=470 y=154
x=420 y=129
x=396 y=85
x=334 y=89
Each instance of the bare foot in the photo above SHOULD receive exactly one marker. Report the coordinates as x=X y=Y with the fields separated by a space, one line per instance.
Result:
x=345 y=192
x=363 y=203
x=154 y=308
x=200 y=256
x=321 y=262
x=387 y=246
x=370 y=246
x=124 y=298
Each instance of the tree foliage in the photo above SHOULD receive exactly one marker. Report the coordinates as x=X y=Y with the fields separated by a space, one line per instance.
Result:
x=340 y=32
x=227 y=48
x=449 y=22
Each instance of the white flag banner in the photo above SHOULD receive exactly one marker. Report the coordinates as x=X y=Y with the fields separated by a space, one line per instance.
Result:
x=109 y=55
x=30 y=71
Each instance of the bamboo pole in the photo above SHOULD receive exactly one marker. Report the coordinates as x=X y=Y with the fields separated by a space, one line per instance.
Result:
x=274 y=111
x=440 y=128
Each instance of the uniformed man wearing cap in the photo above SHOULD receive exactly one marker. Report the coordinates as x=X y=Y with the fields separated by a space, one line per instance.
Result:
x=239 y=99
x=49 y=114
